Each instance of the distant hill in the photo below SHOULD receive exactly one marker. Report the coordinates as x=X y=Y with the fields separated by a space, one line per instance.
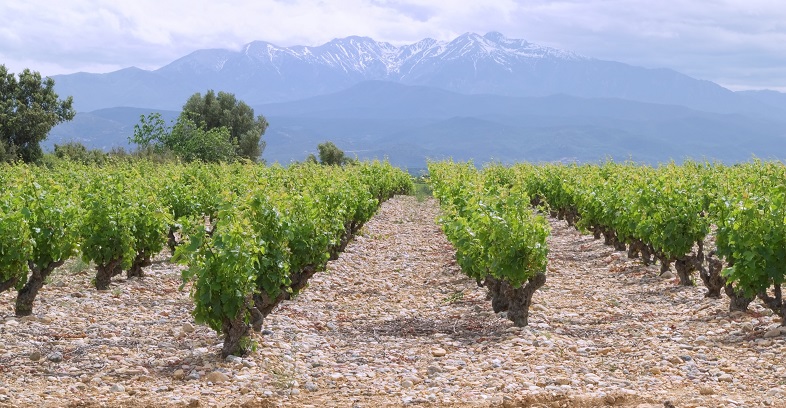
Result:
x=475 y=97
x=771 y=98
x=470 y=64
x=408 y=124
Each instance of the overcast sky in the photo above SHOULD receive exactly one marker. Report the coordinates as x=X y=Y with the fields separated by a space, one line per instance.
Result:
x=740 y=44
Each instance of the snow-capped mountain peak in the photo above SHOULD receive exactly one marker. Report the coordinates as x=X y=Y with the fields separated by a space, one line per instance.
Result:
x=262 y=72
x=369 y=59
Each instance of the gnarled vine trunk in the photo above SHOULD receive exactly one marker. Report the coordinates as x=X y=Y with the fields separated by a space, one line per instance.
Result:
x=26 y=296
x=142 y=260
x=171 y=240
x=712 y=278
x=350 y=229
x=263 y=304
x=685 y=267
x=571 y=216
x=235 y=331
x=521 y=299
x=499 y=302
x=638 y=249
x=775 y=303
x=647 y=254
x=596 y=231
x=737 y=300
x=104 y=273
x=610 y=238
x=516 y=301
x=664 y=263
x=634 y=250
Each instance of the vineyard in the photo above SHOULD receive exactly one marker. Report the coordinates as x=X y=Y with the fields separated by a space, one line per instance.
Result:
x=251 y=236
x=662 y=215
x=562 y=285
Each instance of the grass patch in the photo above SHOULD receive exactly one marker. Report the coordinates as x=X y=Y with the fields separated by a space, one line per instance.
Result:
x=454 y=297
x=422 y=190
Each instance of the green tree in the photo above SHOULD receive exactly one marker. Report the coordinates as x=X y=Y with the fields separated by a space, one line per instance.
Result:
x=8 y=152
x=184 y=139
x=214 y=111
x=77 y=152
x=192 y=142
x=29 y=109
x=150 y=132
x=331 y=155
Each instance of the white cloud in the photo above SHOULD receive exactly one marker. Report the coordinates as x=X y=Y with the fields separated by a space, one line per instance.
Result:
x=733 y=41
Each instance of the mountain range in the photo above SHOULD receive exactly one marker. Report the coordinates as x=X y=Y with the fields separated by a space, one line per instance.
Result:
x=483 y=97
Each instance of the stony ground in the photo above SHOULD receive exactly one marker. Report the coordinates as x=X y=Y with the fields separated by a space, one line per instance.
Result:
x=393 y=322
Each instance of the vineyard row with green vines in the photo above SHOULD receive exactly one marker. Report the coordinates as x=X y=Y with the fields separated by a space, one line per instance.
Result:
x=250 y=235
x=728 y=223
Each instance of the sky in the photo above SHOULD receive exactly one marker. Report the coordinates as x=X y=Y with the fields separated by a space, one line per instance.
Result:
x=740 y=44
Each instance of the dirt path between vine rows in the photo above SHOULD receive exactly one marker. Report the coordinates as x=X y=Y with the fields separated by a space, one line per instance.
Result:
x=393 y=322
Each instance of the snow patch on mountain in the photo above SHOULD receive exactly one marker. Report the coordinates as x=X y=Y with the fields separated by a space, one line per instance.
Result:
x=370 y=59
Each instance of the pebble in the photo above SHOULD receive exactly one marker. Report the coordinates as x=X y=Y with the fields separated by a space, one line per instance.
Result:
x=55 y=357
x=726 y=378
x=591 y=379
x=234 y=359
x=217 y=377
x=667 y=275
x=438 y=352
x=35 y=356
x=118 y=388
x=311 y=387
x=775 y=332
x=413 y=379
x=179 y=374
x=706 y=391
x=28 y=319
x=188 y=328
x=539 y=307
x=193 y=375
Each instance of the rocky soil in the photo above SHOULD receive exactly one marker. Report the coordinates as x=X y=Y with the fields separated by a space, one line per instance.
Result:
x=394 y=322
